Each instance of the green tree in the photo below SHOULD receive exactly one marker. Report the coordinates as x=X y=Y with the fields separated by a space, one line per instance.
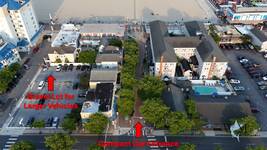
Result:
x=115 y=42
x=155 y=112
x=14 y=68
x=69 y=124
x=59 y=141
x=96 y=123
x=87 y=57
x=67 y=60
x=218 y=147
x=75 y=114
x=22 y=145
x=250 y=125
x=151 y=87
x=84 y=80
x=127 y=80
x=95 y=147
x=190 y=107
x=187 y=147
x=256 y=148
x=58 y=60
x=178 y=123
x=126 y=107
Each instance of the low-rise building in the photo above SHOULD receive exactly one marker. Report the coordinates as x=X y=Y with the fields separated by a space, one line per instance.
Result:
x=102 y=76
x=109 y=49
x=259 y=38
x=8 y=54
x=99 y=100
x=63 y=54
x=108 y=60
x=228 y=34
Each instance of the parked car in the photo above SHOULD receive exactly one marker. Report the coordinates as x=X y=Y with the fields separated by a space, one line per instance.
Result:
x=234 y=81
x=251 y=46
x=265 y=95
x=262 y=83
x=55 y=122
x=256 y=75
x=78 y=67
x=49 y=122
x=70 y=67
x=239 y=88
x=255 y=110
x=27 y=67
x=263 y=87
x=58 y=68
x=264 y=78
x=30 y=121
x=65 y=67
x=41 y=101
x=243 y=61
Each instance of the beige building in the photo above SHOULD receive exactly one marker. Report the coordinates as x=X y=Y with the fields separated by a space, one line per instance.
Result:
x=64 y=54
x=102 y=76
x=228 y=34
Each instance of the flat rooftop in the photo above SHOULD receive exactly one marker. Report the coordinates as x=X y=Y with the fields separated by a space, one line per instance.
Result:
x=103 y=28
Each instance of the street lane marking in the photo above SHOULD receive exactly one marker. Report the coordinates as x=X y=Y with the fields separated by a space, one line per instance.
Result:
x=10 y=142
x=5 y=148
x=151 y=139
x=12 y=139
x=8 y=145
x=149 y=136
x=14 y=136
x=154 y=147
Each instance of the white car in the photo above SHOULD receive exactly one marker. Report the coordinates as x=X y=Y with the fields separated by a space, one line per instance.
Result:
x=264 y=78
x=234 y=81
x=243 y=61
x=239 y=88
x=265 y=56
x=55 y=122
x=58 y=68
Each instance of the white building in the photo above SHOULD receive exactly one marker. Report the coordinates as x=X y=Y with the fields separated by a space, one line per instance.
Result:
x=18 y=21
x=246 y=15
x=108 y=60
x=8 y=54
x=65 y=54
x=100 y=30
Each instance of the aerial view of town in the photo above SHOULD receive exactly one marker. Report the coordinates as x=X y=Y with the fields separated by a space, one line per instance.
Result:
x=133 y=74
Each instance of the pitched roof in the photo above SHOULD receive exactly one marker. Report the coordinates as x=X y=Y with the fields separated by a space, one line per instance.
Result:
x=259 y=34
x=108 y=57
x=2 y=2
x=194 y=26
x=218 y=113
x=182 y=42
x=161 y=48
x=6 y=51
x=208 y=50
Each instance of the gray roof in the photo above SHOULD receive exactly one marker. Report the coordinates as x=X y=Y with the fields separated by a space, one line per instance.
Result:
x=161 y=48
x=103 y=75
x=108 y=57
x=259 y=34
x=218 y=113
x=183 y=41
x=194 y=26
x=64 y=49
x=208 y=49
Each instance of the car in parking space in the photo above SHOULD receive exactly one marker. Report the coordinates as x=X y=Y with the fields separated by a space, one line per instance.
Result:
x=255 y=110
x=264 y=78
x=41 y=85
x=256 y=75
x=239 y=88
x=70 y=67
x=78 y=67
x=234 y=81
x=260 y=83
x=58 y=68
x=263 y=87
x=251 y=46
x=243 y=61
x=30 y=121
x=65 y=67
x=41 y=101
x=49 y=122
x=265 y=95
x=55 y=122
x=83 y=68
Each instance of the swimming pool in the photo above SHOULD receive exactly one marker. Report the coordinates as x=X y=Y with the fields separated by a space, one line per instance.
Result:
x=204 y=90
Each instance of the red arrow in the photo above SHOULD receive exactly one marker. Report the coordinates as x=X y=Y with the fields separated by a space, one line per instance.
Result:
x=50 y=80
x=138 y=129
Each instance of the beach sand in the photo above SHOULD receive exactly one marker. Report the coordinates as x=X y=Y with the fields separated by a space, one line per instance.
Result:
x=116 y=10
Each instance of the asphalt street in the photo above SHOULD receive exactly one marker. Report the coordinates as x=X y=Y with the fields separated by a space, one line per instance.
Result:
x=202 y=143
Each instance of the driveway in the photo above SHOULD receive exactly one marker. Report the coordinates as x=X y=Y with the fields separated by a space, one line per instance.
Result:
x=252 y=93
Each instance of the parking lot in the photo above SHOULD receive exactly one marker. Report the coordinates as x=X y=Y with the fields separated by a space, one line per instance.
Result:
x=250 y=73
x=66 y=79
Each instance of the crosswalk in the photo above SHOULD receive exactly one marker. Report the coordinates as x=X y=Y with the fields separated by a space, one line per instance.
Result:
x=152 y=139
x=11 y=140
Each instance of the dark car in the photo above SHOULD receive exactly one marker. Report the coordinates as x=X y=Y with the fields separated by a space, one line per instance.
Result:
x=75 y=86
x=41 y=101
x=82 y=95
x=255 y=110
x=83 y=68
x=70 y=67
x=49 y=122
x=30 y=121
x=65 y=67
x=78 y=67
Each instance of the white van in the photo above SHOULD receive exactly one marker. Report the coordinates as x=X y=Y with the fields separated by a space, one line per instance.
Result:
x=41 y=85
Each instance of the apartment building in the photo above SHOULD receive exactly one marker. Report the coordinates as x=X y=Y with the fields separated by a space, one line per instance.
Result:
x=198 y=44
x=18 y=21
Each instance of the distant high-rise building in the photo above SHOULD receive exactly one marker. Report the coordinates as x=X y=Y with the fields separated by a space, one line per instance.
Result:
x=18 y=21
